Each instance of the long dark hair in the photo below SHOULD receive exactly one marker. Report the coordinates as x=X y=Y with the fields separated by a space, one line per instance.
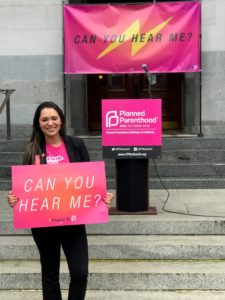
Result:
x=37 y=140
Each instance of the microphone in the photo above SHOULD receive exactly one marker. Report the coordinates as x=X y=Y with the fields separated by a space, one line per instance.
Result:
x=145 y=67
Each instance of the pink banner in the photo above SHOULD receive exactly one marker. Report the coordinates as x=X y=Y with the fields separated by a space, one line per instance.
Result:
x=58 y=195
x=131 y=122
x=121 y=38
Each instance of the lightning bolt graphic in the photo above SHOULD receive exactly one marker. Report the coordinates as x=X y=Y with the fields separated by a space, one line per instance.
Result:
x=129 y=33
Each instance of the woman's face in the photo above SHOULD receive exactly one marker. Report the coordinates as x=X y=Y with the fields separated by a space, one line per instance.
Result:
x=50 y=122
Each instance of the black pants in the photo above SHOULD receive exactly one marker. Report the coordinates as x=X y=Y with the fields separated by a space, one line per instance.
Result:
x=73 y=240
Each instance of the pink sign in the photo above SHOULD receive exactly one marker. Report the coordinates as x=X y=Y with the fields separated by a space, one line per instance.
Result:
x=130 y=122
x=58 y=195
x=121 y=38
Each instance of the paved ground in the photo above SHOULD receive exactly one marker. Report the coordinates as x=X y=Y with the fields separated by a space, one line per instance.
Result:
x=199 y=202
x=115 y=295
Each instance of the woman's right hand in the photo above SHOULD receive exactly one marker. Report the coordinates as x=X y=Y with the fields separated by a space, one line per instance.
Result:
x=12 y=199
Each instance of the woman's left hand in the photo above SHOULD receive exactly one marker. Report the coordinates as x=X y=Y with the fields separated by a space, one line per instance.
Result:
x=108 y=199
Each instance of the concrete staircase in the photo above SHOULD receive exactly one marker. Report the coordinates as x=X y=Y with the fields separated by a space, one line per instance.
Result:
x=188 y=162
x=165 y=256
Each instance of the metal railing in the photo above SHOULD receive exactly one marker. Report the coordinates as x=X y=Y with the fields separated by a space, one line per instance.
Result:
x=6 y=102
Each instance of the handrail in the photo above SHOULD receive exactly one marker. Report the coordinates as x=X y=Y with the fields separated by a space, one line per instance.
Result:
x=6 y=102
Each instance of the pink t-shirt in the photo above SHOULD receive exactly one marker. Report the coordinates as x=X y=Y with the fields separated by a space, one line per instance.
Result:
x=56 y=155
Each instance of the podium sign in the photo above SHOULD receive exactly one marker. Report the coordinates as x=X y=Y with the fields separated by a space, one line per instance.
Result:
x=131 y=128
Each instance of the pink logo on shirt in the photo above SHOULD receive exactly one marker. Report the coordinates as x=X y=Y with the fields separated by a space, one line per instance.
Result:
x=56 y=155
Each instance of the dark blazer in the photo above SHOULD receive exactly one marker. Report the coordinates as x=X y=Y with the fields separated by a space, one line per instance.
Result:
x=75 y=147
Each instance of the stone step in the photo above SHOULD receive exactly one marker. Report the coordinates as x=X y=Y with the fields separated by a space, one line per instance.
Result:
x=200 y=182
x=164 y=170
x=14 y=145
x=167 y=247
x=122 y=295
x=177 y=156
x=168 y=143
x=146 y=275
x=199 y=212
x=170 y=224
x=216 y=182
x=186 y=162
x=205 y=142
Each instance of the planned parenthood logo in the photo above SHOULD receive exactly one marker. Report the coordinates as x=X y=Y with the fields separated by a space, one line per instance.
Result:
x=130 y=122
x=112 y=118
x=129 y=119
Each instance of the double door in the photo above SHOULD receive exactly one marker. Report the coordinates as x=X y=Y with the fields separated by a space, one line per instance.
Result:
x=167 y=87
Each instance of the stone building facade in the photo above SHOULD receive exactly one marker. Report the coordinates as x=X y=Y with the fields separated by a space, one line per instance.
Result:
x=31 y=60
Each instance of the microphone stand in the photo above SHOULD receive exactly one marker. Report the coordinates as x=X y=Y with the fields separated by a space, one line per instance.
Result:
x=149 y=78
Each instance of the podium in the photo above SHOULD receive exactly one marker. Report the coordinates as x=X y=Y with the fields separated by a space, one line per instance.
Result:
x=132 y=188
x=131 y=134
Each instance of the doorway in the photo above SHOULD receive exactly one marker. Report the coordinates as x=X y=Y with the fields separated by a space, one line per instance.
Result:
x=167 y=87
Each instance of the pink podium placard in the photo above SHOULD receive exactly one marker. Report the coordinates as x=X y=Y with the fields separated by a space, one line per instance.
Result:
x=59 y=195
x=131 y=122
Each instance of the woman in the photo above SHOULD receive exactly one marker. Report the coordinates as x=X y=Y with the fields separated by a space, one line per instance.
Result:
x=49 y=144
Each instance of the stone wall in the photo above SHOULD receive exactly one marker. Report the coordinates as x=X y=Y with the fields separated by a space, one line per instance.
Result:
x=213 y=62
x=31 y=55
x=31 y=60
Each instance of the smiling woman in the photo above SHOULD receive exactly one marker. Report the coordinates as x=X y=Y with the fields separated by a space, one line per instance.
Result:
x=49 y=142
